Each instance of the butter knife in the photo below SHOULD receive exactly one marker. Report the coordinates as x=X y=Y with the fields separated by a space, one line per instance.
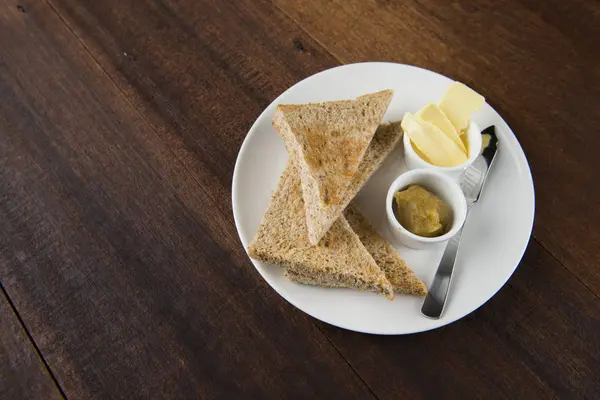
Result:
x=472 y=183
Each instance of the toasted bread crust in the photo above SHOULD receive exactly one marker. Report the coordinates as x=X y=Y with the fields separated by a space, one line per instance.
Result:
x=402 y=278
x=331 y=140
x=282 y=239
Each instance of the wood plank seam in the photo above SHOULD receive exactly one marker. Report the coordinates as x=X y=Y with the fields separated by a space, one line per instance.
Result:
x=31 y=340
x=563 y=265
x=186 y=169
x=340 y=344
x=577 y=251
x=537 y=368
x=342 y=62
x=87 y=49
x=558 y=260
x=178 y=200
x=227 y=218
x=182 y=164
x=316 y=323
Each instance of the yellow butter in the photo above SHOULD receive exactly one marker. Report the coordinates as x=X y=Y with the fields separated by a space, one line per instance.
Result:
x=421 y=141
x=459 y=103
x=420 y=154
x=433 y=114
x=485 y=141
x=439 y=149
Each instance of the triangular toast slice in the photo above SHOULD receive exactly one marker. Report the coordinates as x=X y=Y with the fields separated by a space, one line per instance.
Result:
x=279 y=242
x=402 y=278
x=282 y=239
x=330 y=140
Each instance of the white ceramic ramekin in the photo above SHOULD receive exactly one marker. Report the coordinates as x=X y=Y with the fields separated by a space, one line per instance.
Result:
x=413 y=161
x=440 y=185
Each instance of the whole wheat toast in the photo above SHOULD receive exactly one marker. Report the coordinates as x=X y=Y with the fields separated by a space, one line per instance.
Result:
x=340 y=257
x=282 y=236
x=330 y=140
x=402 y=278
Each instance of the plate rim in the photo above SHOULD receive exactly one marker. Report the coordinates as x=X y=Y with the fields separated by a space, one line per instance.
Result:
x=252 y=131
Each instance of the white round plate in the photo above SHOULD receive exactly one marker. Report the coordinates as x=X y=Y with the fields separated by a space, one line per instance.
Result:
x=494 y=239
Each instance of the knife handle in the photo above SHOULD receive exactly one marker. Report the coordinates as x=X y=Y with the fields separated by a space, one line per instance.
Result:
x=438 y=292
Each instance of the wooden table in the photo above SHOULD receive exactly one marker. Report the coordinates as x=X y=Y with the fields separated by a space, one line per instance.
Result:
x=121 y=270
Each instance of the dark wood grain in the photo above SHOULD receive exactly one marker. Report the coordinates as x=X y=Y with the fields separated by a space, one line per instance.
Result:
x=119 y=128
x=539 y=338
x=129 y=285
x=22 y=373
x=533 y=60
x=200 y=71
x=535 y=65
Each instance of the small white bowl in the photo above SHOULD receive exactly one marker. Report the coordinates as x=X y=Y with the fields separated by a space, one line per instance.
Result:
x=413 y=161
x=440 y=185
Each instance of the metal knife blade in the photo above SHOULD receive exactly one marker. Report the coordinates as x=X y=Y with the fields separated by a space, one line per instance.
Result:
x=472 y=184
